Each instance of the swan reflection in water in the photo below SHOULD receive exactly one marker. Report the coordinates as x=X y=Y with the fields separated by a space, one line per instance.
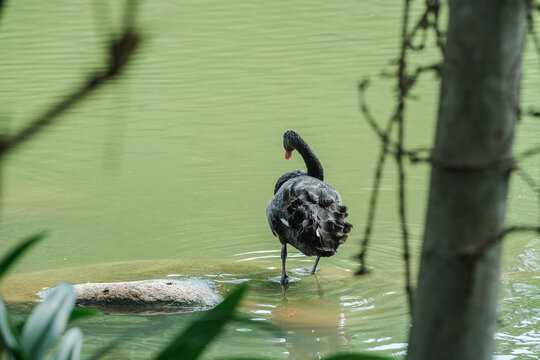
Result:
x=312 y=328
x=284 y=287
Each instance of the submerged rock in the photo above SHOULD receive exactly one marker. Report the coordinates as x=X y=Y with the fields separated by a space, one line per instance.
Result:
x=148 y=296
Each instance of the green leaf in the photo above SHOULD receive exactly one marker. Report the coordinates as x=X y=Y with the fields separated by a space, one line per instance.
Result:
x=161 y=325
x=17 y=328
x=137 y=332
x=244 y=358
x=79 y=313
x=48 y=320
x=357 y=356
x=9 y=339
x=8 y=261
x=70 y=346
x=191 y=342
x=8 y=335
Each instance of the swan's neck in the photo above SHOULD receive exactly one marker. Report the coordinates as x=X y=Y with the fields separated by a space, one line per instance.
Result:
x=314 y=167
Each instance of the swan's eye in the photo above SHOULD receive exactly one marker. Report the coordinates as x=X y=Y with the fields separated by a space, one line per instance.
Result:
x=288 y=154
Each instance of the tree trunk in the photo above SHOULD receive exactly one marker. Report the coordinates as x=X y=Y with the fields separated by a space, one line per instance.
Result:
x=454 y=310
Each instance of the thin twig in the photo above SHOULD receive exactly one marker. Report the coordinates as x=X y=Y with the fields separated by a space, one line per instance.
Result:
x=393 y=148
x=385 y=150
x=372 y=209
x=405 y=83
x=362 y=103
x=533 y=113
x=530 y=18
x=504 y=164
x=2 y=6
x=437 y=68
x=428 y=20
x=528 y=153
x=121 y=50
x=529 y=181
x=403 y=86
x=424 y=24
x=478 y=251
x=535 y=187
x=440 y=36
x=385 y=137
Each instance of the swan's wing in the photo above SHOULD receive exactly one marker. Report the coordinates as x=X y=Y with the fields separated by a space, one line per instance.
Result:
x=275 y=211
x=286 y=177
x=270 y=217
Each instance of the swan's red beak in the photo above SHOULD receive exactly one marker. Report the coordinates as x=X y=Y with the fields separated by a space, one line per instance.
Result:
x=288 y=154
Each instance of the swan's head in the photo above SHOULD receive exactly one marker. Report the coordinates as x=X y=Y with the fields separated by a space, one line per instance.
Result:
x=289 y=139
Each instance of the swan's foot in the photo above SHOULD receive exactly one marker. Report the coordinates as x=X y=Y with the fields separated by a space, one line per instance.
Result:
x=290 y=279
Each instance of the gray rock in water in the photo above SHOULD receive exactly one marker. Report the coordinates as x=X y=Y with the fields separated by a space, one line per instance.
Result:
x=148 y=296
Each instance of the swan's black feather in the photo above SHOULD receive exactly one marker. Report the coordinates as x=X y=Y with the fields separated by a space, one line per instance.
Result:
x=287 y=176
x=307 y=213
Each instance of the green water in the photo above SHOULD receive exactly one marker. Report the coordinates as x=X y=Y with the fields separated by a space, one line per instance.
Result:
x=178 y=160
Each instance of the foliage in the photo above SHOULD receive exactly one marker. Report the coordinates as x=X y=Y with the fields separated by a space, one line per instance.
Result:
x=10 y=258
x=33 y=338
x=43 y=328
x=356 y=356
x=192 y=341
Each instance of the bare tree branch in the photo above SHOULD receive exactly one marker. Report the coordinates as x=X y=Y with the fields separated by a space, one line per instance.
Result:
x=121 y=49
x=429 y=19
x=372 y=210
x=473 y=253
x=424 y=24
x=392 y=147
x=507 y=164
x=531 y=27
x=2 y=6
x=528 y=153
x=403 y=86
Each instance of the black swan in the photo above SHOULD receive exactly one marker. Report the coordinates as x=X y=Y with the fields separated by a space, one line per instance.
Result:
x=306 y=212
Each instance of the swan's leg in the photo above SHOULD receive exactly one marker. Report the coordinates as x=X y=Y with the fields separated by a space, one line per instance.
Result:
x=284 y=277
x=315 y=265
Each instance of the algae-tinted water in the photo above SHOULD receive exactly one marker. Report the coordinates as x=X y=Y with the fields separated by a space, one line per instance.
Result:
x=169 y=170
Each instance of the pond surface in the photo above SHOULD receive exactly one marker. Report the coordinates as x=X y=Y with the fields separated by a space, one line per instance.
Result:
x=168 y=170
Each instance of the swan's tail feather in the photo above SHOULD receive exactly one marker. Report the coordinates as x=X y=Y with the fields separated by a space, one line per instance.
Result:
x=347 y=228
x=319 y=227
x=308 y=214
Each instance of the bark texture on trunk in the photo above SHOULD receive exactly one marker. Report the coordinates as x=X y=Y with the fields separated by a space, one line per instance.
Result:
x=454 y=310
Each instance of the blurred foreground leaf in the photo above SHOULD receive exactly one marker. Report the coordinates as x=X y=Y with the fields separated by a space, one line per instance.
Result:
x=48 y=321
x=9 y=336
x=357 y=356
x=244 y=358
x=167 y=323
x=81 y=313
x=8 y=261
x=137 y=332
x=192 y=341
x=70 y=346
